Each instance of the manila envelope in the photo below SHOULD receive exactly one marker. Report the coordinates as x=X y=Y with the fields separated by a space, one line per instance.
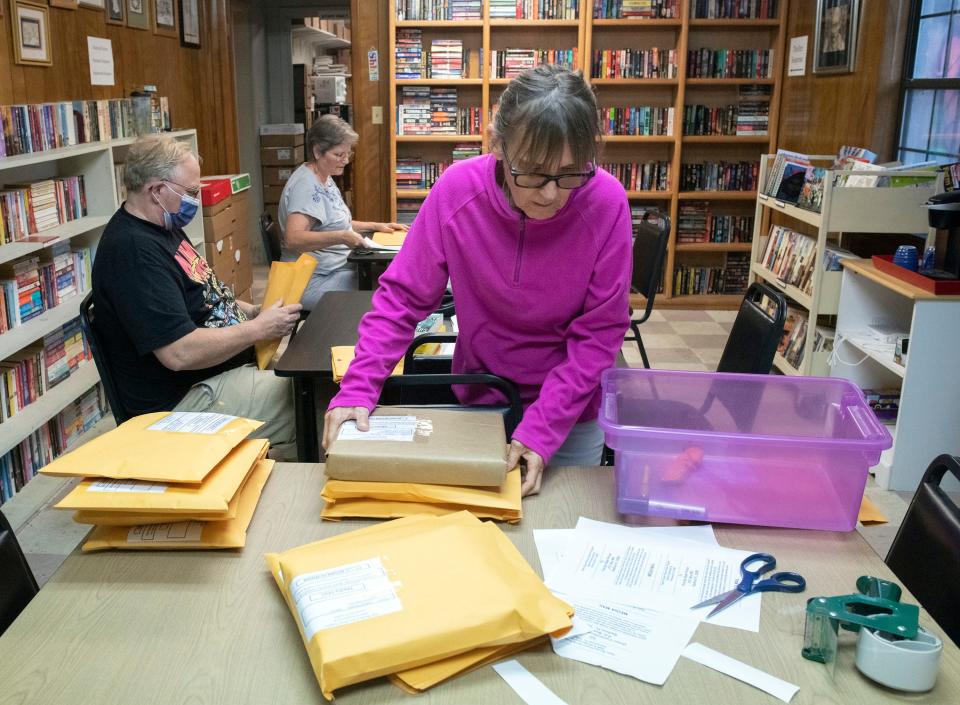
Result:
x=286 y=283
x=213 y=495
x=464 y=448
x=342 y=355
x=166 y=446
x=188 y=535
x=443 y=586
x=389 y=239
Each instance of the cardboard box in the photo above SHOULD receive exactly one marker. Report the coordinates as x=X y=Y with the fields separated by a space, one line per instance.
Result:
x=448 y=448
x=282 y=128
x=210 y=211
x=236 y=183
x=277 y=175
x=220 y=225
x=220 y=256
x=281 y=140
x=329 y=89
x=244 y=296
x=214 y=191
x=271 y=194
x=281 y=156
x=242 y=268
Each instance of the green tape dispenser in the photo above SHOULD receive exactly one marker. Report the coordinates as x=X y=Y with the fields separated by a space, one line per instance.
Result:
x=892 y=649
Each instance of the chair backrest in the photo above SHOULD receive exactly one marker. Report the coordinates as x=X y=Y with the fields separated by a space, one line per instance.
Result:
x=270 y=232
x=649 y=248
x=925 y=555
x=99 y=357
x=435 y=390
x=756 y=332
x=414 y=364
x=17 y=584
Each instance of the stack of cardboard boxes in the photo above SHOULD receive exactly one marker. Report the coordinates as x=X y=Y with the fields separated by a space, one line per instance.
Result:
x=281 y=152
x=338 y=28
x=226 y=224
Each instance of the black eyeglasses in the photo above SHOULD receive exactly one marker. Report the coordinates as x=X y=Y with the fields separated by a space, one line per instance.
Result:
x=529 y=179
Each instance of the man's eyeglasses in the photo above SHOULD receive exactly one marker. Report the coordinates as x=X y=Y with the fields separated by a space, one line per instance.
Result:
x=529 y=179
x=192 y=192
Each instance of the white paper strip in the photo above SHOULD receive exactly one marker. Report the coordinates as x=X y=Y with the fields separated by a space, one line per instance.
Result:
x=530 y=689
x=741 y=671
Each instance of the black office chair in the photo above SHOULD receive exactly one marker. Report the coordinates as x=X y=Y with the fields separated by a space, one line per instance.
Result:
x=649 y=248
x=435 y=391
x=925 y=555
x=103 y=368
x=270 y=232
x=756 y=331
x=17 y=584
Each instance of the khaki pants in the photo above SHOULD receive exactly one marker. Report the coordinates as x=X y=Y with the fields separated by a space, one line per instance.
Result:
x=254 y=394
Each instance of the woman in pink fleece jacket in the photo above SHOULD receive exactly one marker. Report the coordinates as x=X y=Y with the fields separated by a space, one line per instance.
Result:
x=536 y=242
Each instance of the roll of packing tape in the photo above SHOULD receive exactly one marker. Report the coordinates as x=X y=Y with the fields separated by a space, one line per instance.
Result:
x=910 y=665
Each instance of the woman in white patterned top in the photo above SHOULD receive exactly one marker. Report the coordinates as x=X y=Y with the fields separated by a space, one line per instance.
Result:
x=313 y=216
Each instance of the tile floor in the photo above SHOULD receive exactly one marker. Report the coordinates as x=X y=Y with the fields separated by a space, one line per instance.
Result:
x=684 y=340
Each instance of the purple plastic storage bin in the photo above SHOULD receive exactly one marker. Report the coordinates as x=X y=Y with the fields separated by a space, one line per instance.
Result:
x=741 y=449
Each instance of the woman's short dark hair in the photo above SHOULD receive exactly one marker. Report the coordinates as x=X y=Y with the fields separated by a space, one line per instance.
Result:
x=544 y=109
x=327 y=132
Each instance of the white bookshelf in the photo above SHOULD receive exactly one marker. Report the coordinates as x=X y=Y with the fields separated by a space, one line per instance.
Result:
x=95 y=161
x=843 y=210
x=929 y=413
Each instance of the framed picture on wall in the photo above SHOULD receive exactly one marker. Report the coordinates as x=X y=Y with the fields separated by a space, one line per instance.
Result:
x=96 y=4
x=835 y=41
x=31 y=33
x=165 y=18
x=138 y=14
x=116 y=11
x=190 y=23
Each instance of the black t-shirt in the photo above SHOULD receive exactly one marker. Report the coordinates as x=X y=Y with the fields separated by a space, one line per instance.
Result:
x=150 y=288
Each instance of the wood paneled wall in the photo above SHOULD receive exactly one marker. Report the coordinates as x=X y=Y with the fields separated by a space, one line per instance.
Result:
x=819 y=113
x=198 y=82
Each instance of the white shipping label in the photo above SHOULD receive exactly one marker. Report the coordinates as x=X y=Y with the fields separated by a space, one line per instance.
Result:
x=343 y=595
x=178 y=532
x=127 y=486
x=382 y=428
x=192 y=422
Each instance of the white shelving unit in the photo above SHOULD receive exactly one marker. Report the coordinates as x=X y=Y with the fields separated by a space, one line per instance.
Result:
x=929 y=413
x=95 y=161
x=843 y=210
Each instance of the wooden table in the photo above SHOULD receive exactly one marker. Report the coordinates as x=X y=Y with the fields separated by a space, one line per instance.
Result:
x=333 y=321
x=211 y=627
x=365 y=261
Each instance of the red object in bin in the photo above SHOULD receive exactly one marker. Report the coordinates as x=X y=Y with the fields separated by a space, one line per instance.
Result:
x=939 y=287
x=213 y=191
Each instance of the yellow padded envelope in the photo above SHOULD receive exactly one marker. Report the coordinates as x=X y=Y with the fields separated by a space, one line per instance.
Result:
x=157 y=447
x=133 y=519
x=188 y=535
x=342 y=355
x=393 y=238
x=348 y=498
x=213 y=495
x=286 y=283
x=409 y=593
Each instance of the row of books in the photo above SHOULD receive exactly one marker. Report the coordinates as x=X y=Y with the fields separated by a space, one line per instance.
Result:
x=743 y=119
x=794 y=179
x=728 y=278
x=636 y=9
x=447 y=58
x=729 y=63
x=55 y=437
x=634 y=63
x=636 y=120
x=734 y=9
x=439 y=10
x=719 y=176
x=415 y=173
x=25 y=129
x=31 y=286
x=434 y=110
x=794 y=337
x=641 y=176
x=697 y=222
x=535 y=9
x=790 y=256
x=510 y=63
x=28 y=375
x=42 y=205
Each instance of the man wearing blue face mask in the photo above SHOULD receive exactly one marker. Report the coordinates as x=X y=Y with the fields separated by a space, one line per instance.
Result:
x=176 y=338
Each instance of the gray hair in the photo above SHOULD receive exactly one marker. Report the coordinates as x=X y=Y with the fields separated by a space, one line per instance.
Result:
x=544 y=109
x=327 y=132
x=153 y=157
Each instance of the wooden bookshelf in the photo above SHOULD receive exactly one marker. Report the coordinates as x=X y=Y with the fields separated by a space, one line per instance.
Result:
x=586 y=34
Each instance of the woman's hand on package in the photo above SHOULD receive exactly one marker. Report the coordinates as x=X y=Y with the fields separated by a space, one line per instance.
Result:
x=532 y=466
x=388 y=227
x=334 y=418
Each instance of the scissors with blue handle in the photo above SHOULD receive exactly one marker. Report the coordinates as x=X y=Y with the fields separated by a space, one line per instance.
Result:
x=750 y=583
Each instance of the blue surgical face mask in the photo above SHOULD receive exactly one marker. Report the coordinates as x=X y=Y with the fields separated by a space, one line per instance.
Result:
x=188 y=209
